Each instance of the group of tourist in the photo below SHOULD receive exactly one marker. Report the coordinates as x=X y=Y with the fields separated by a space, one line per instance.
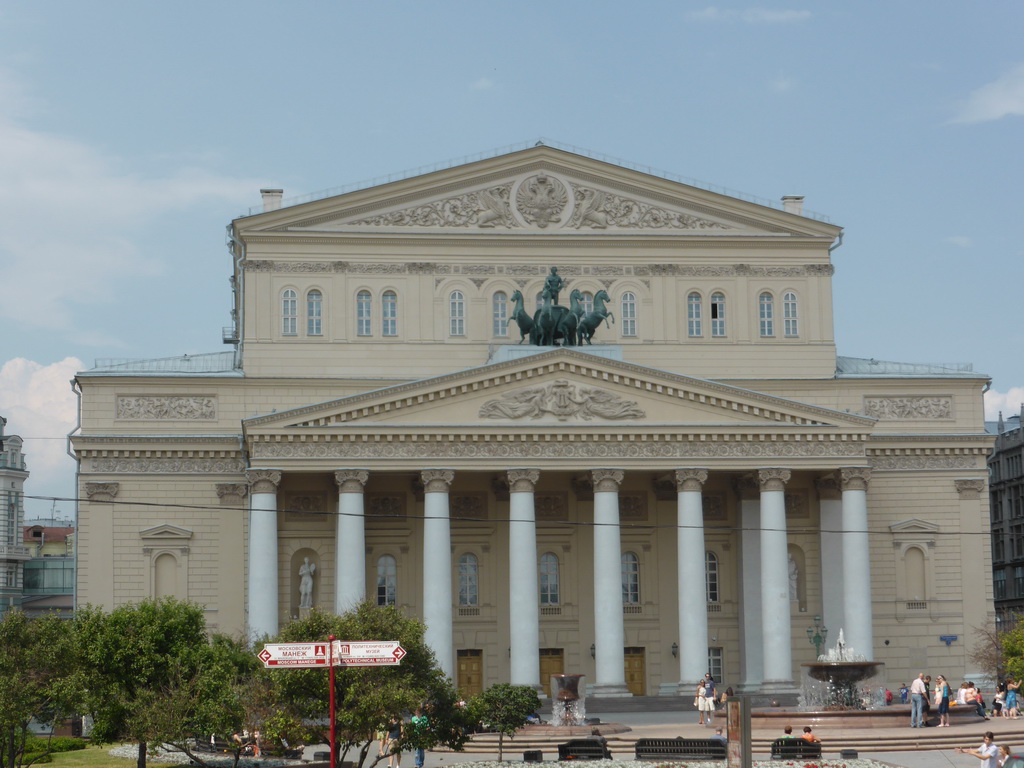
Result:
x=1007 y=699
x=389 y=733
x=991 y=756
x=923 y=698
x=808 y=735
x=707 y=698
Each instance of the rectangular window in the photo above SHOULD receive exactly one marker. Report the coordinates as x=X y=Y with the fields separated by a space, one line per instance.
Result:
x=715 y=666
x=1018 y=581
x=999 y=585
x=718 y=315
x=389 y=315
x=694 y=326
x=364 y=317
x=500 y=315
x=628 y=314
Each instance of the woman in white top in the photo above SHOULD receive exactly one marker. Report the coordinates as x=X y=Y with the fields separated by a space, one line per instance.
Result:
x=701 y=701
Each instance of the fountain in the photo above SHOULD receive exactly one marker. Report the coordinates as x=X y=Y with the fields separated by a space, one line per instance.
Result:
x=840 y=670
x=567 y=706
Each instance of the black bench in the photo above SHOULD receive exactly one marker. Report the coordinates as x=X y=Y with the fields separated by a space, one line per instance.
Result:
x=796 y=749
x=584 y=749
x=667 y=749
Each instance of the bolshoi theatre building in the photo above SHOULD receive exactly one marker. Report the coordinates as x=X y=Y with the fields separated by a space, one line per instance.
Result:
x=576 y=417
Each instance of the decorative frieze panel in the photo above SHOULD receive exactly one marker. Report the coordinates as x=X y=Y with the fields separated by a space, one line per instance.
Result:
x=168 y=466
x=563 y=400
x=908 y=407
x=166 y=407
x=385 y=504
x=899 y=463
x=305 y=502
x=551 y=507
x=632 y=506
x=468 y=506
x=797 y=507
x=713 y=507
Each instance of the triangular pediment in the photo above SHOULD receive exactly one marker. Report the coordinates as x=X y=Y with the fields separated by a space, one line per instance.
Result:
x=561 y=389
x=542 y=191
x=165 y=532
x=914 y=526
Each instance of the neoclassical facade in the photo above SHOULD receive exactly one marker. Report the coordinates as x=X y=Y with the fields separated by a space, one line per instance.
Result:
x=690 y=491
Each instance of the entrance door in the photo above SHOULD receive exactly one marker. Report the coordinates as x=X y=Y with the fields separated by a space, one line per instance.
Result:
x=470 y=672
x=635 y=670
x=552 y=662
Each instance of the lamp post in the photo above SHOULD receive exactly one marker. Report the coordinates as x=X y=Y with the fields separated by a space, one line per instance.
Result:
x=817 y=635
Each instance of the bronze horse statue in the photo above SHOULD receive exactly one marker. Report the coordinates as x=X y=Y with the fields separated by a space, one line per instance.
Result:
x=590 y=323
x=523 y=320
x=552 y=322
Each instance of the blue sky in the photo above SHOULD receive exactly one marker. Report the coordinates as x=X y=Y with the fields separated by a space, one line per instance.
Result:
x=132 y=133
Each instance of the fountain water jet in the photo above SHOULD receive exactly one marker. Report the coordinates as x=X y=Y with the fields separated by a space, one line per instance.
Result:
x=840 y=669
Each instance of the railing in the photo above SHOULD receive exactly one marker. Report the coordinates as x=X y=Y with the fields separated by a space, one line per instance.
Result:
x=917 y=605
x=15 y=552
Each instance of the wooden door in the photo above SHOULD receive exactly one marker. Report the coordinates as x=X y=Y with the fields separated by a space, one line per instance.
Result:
x=552 y=662
x=636 y=671
x=470 y=672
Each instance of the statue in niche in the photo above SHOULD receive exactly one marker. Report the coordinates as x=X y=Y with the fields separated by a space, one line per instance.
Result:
x=794 y=580
x=306 y=571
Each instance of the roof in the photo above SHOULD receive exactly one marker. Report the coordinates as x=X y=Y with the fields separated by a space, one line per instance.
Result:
x=860 y=367
x=208 y=364
x=51 y=533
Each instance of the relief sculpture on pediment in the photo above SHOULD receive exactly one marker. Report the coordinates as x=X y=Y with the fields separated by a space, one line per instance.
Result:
x=484 y=208
x=563 y=400
x=598 y=209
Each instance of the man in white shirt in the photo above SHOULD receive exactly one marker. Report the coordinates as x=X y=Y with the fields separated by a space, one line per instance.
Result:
x=988 y=752
x=918 y=692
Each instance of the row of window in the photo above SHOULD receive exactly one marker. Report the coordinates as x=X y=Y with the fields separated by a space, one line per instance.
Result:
x=701 y=316
x=549 y=568
x=999 y=583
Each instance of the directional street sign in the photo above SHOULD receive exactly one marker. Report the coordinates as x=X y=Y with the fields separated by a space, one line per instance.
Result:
x=295 y=655
x=368 y=654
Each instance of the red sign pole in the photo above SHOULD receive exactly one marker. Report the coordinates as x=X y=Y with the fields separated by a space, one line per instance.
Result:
x=331 y=683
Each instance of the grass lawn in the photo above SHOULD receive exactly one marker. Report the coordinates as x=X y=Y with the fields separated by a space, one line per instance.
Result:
x=90 y=757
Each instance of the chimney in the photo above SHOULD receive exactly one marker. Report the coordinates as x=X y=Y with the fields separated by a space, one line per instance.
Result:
x=272 y=199
x=793 y=204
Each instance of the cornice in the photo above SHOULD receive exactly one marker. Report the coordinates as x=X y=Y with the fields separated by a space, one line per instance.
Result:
x=631 y=240
x=89 y=441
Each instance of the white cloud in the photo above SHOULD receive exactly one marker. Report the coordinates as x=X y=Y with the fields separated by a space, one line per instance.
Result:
x=963 y=242
x=750 y=15
x=69 y=215
x=1003 y=96
x=483 y=84
x=781 y=84
x=1008 y=402
x=40 y=406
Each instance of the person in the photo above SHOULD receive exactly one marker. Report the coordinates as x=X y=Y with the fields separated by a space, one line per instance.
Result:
x=942 y=701
x=904 y=693
x=1011 y=698
x=926 y=721
x=381 y=737
x=1004 y=754
x=888 y=697
x=719 y=736
x=974 y=698
x=917 y=697
x=704 y=704
x=553 y=284
x=988 y=751
x=419 y=727
x=595 y=735
x=787 y=732
x=999 y=700
x=726 y=695
x=394 y=729
x=809 y=735
x=306 y=571
x=709 y=685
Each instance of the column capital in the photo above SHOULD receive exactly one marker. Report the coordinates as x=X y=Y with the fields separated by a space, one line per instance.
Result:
x=828 y=486
x=351 y=480
x=263 y=480
x=773 y=478
x=437 y=480
x=690 y=479
x=854 y=478
x=232 y=493
x=607 y=479
x=523 y=480
x=102 y=491
x=969 y=489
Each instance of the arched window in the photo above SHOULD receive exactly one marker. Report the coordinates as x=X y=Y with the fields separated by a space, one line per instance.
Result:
x=913 y=562
x=469 y=580
x=628 y=314
x=364 y=314
x=630 y=579
x=540 y=300
x=314 y=313
x=387 y=580
x=694 y=325
x=587 y=302
x=389 y=314
x=456 y=314
x=499 y=314
x=549 y=579
x=718 y=314
x=789 y=315
x=711 y=575
x=767 y=314
x=289 y=313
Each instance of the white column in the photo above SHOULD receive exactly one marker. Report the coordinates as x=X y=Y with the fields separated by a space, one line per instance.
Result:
x=775 y=619
x=751 y=636
x=524 y=595
x=350 y=540
x=831 y=506
x=609 y=627
x=437 y=567
x=691 y=578
x=858 y=627
x=262 y=590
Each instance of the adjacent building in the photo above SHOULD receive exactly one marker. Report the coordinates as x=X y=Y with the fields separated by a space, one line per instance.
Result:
x=13 y=552
x=688 y=491
x=1006 y=486
x=49 y=580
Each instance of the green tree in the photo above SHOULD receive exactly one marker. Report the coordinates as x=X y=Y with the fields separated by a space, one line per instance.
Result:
x=505 y=709
x=1012 y=642
x=37 y=678
x=135 y=656
x=367 y=697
